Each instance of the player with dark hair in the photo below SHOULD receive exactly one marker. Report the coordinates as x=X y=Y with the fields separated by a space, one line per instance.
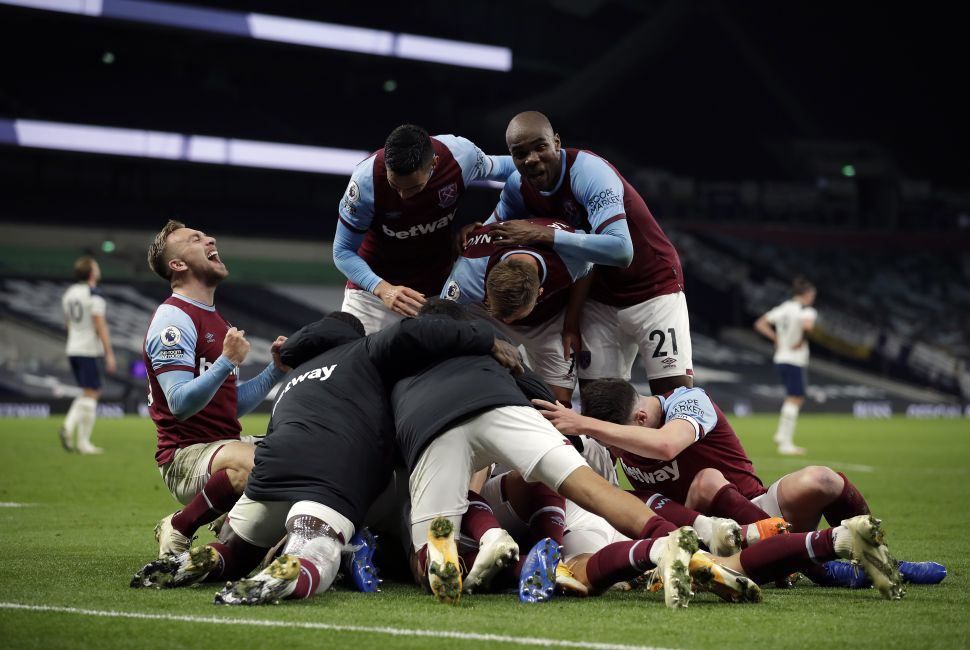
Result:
x=193 y=355
x=532 y=294
x=786 y=326
x=637 y=300
x=394 y=238
x=681 y=446
x=88 y=341
x=328 y=453
x=464 y=413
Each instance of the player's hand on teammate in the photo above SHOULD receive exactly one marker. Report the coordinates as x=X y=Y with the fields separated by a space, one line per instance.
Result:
x=521 y=233
x=566 y=420
x=400 y=299
x=235 y=347
x=274 y=350
x=461 y=240
x=508 y=355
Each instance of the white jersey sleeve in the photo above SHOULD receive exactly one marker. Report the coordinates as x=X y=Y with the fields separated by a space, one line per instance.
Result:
x=466 y=284
x=171 y=340
x=356 y=207
x=511 y=205
x=692 y=405
x=475 y=164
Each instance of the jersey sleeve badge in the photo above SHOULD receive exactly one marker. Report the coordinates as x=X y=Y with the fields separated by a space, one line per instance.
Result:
x=170 y=336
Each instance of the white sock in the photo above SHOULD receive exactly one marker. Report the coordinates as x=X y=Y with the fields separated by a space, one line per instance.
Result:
x=87 y=414
x=704 y=526
x=71 y=421
x=324 y=553
x=658 y=549
x=751 y=534
x=786 y=425
x=842 y=540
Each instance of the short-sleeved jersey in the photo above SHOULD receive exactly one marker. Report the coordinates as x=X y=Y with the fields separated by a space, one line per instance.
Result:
x=81 y=303
x=716 y=445
x=591 y=195
x=466 y=284
x=788 y=319
x=187 y=335
x=409 y=241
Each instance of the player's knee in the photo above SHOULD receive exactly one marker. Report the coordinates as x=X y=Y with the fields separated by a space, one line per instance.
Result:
x=705 y=485
x=821 y=480
x=238 y=478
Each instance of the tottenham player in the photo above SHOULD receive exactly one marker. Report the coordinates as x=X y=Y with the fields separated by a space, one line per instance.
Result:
x=394 y=232
x=637 y=300
x=786 y=326
x=532 y=294
x=193 y=356
x=87 y=341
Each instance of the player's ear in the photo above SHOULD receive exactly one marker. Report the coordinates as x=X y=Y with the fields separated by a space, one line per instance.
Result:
x=540 y=292
x=556 y=141
x=177 y=265
x=641 y=417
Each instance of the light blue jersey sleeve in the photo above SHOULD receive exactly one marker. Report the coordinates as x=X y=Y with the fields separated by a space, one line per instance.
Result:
x=171 y=344
x=511 y=205
x=356 y=212
x=600 y=190
x=466 y=284
x=475 y=164
x=171 y=339
x=251 y=392
x=692 y=405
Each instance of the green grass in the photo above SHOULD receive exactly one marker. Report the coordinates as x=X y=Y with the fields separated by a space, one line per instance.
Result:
x=88 y=527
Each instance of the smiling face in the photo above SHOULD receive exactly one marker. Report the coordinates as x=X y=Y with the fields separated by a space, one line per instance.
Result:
x=535 y=149
x=194 y=252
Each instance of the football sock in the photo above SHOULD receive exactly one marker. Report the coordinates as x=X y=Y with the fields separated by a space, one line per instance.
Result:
x=731 y=504
x=87 y=413
x=236 y=559
x=618 y=562
x=668 y=508
x=849 y=503
x=71 y=420
x=217 y=496
x=656 y=527
x=545 y=512
x=308 y=582
x=777 y=557
x=786 y=425
x=479 y=517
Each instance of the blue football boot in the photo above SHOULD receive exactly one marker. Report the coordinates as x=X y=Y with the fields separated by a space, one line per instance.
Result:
x=359 y=563
x=846 y=574
x=537 y=581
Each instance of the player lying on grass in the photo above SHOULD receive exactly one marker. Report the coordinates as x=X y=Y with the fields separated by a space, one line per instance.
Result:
x=460 y=415
x=681 y=445
x=331 y=419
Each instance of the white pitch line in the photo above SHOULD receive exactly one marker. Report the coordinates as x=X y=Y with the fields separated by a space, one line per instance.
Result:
x=12 y=504
x=390 y=631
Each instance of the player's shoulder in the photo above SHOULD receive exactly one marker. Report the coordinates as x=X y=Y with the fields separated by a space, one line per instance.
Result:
x=456 y=144
x=587 y=162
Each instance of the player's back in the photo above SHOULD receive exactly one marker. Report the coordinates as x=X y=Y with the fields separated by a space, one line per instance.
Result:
x=81 y=303
x=788 y=320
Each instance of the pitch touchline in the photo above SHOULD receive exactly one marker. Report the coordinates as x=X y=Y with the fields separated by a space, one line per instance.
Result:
x=391 y=631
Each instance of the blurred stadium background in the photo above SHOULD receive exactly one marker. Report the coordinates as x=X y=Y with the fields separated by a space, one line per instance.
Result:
x=818 y=138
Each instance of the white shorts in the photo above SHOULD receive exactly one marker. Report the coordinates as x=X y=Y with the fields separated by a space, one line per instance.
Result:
x=586 y=533
x=188 y=471
x=769 y=500
x=370 y=309
x=263 y=523
x=659 y=329
x=542 y=344
x=517 y=436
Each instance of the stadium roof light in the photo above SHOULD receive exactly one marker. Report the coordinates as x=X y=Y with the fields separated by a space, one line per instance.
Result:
x=287 y=30
x=140 y=143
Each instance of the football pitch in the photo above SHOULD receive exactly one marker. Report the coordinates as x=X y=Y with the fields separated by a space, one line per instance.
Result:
x=75 y=528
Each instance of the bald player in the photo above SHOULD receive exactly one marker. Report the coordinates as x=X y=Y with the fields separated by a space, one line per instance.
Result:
x=637 y=300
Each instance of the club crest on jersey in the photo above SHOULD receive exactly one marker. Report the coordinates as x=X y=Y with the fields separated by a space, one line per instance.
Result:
x=210 y=337
x=353 y=192
x=453 y=292
x=447 y=195
x=170 y=336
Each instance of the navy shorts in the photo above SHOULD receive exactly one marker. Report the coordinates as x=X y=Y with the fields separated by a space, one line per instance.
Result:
x=87 y=371
x=793 y=377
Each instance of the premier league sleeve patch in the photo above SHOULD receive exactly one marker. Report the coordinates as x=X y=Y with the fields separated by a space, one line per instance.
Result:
x=453 y=291
x=170 y=336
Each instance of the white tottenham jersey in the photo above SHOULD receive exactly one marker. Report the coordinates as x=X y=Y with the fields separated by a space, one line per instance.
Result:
x=787 y=319
x=81 y=303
